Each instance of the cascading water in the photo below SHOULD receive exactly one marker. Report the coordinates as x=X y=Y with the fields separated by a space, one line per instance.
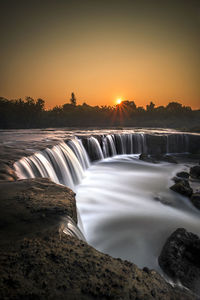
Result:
x=64 y=164
x=125 y=204
x=128 y=210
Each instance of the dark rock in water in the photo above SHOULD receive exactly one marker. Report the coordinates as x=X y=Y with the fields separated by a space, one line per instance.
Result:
x=170 y=159
x=195 y=172
x=195 y=198
x=183 y=175
x=39 y=261
x=182 y=187
x=180 y=258
x=143 y=156
x=163 y=200
x=147 y=158
x=155 y=158
x=178 y=179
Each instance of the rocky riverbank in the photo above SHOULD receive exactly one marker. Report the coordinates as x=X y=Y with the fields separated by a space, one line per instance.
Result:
x=40 y=261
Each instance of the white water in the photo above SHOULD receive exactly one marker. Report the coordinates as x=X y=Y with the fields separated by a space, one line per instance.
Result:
x=116 y=197
x=120 y=215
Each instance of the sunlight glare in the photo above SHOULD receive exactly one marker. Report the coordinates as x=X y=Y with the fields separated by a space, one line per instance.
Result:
x=118 y=101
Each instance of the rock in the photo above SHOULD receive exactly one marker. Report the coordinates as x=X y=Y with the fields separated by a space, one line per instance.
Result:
x=163 y=200
x=155 y=158
x=33 y=205
x=183 y=175
x=195 y=199
x=39 y=262
x=178 y=179
x=145 y=157
x=6 y=172
x=180 y=258
x=170 y=159
x=195 y=172
x=182 y=187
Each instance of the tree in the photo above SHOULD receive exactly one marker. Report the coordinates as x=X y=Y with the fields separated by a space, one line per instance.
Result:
x=40 y=104
x=151 y=106
x=174 y=107
x=129 y=105
x=29 y=101
x=73 y=99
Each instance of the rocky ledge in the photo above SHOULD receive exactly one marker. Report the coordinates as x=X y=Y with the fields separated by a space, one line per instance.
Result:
x=39 y=261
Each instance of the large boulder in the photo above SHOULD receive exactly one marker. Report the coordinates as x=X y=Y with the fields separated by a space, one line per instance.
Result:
x=182 y=186
x=195 y=198
x=183 y=175
x=180 y=258
x=195 y=172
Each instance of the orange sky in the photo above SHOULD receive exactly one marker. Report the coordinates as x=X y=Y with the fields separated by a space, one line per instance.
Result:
x=101 y=50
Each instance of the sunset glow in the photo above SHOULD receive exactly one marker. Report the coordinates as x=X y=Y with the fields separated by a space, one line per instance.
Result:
x=118 y=101
x=147 y=50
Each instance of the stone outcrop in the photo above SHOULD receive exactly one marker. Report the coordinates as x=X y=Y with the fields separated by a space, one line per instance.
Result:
x=183 y=174
x=182 y=186
x=6 y=172
x=195 y=172
x=152 y=158
x=195 y=199
x=180 y=258
x=39 y=261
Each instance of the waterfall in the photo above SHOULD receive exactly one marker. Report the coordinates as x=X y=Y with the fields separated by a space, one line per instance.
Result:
x=110 y=145
x=175 y=142
x=94 y=148
x=80 y=152
x=64 y=164
x=68 y=226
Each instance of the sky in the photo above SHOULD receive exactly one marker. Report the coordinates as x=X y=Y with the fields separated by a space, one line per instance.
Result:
x=101 y=50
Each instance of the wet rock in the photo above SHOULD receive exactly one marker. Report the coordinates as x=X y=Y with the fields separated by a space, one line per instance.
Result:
x=155 y=158
x=33 y=205
x=147 y=158
x=170 y=159
x=178 y=179
x=195 y=172
x=163 y=200
x=143 y=156
x=195 y=199
x=6 y=172
x=180 y=258
x=182 y=187
x=183 y=175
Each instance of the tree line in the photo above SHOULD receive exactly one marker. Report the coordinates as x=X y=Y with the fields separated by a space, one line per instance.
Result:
x=30 y=113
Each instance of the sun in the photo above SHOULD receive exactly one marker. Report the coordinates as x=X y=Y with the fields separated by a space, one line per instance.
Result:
x=118 y=101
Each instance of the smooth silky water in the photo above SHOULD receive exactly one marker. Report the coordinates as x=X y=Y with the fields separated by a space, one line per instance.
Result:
x=128 y=211
x=125 y=206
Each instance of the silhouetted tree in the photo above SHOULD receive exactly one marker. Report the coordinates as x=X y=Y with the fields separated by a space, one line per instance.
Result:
x=40 y=104
x=73 y=99
x=174 y=107
x=129 y=105
x=140 y=109
x=150 y=107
